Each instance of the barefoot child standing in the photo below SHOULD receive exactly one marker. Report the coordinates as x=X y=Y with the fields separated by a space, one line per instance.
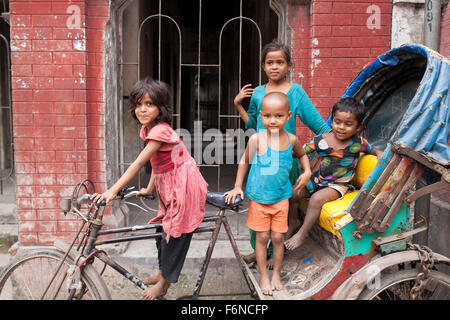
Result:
x=181 y=188
x=276 y=63
x=268 y=186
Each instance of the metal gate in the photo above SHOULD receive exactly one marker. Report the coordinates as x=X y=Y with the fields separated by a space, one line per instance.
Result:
x=206 y=51
x=168 y=49
x=7 y=183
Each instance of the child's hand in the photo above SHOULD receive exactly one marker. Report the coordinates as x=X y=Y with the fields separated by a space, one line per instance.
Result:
x=231 y=195
x=145 y=192
x=302 y=181
x=108 y=195
x=246 y=92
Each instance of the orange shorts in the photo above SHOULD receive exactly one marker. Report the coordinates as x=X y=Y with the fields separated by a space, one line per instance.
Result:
x=265 y=217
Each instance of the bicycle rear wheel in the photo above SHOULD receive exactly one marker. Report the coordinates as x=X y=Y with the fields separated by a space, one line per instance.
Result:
x=28 y=275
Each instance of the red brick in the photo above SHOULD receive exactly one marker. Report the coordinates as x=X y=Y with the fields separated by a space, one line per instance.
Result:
x=70 y=132
x=69 y=58
x=373 y=41
x=351 y=52
x=65 y=33
x=81 y=168
x=334 y=42
x=95 y=22
x=30 y=8
x=31 y=33
x=55 y=167
x=21 y=70
x=26 y=214
x=19 y=20
x=21 y=45
x=38 y=20
x=63 y=8
x=23 y=144
x=31 y=58
x=27 y=238
x=50 y=214
x=76 y=156
x=23 y=167
x=45 y=156
x=350 y=7
x=69 y=179
x=32 y=107
x=52 y=71
x=53 y=95
x=79 y=95
x=52 y=45
x=322 y=7
x=98 y=11
x=24 y=179
x=44 y=179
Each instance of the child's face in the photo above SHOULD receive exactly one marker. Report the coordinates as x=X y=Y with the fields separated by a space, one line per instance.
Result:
x=275 y=66
x=146 y=111
x=274 y=115
x=344 y=125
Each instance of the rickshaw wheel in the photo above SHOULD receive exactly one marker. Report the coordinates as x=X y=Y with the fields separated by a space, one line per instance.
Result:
x=394 y=284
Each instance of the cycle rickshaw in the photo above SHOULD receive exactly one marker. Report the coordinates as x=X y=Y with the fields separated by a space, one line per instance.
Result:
x=361 y=248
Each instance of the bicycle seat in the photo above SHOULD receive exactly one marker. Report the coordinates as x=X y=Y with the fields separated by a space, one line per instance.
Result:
x=218 y=199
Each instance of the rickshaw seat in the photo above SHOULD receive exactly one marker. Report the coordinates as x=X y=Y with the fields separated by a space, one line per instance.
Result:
x=335 y=210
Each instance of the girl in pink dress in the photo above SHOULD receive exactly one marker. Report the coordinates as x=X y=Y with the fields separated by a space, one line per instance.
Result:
x=180 y=186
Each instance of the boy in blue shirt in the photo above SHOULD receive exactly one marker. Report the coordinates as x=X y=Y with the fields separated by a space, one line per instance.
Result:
x=268 y=187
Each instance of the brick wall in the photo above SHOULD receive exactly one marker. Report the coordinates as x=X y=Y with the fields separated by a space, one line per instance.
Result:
x=332 y=41
x=57 y=92
x=444 y=47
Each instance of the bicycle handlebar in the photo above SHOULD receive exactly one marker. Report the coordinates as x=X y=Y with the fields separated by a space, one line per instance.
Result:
x=123 y=194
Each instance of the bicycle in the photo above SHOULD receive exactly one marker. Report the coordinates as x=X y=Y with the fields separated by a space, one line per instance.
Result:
x=43 y=273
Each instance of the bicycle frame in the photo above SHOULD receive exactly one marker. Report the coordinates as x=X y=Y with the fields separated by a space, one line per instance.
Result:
x=87 y=251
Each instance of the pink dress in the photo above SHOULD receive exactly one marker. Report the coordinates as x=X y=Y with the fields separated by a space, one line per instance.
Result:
x=181 y=188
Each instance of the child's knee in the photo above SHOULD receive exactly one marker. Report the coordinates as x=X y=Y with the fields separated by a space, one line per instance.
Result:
x=263 y=237
x=277 y=238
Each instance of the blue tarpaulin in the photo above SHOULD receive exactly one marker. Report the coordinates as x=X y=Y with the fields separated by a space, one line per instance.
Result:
x=424 y=127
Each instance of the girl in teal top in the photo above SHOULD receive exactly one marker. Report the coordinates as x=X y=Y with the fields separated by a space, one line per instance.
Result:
x=276 y=63
x=300 y=105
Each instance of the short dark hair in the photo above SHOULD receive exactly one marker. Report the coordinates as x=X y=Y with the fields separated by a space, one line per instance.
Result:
x=159 y=93
x=351 y=105
x=275 y=45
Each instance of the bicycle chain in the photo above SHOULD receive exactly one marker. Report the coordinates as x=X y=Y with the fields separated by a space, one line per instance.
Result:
x=426 y=263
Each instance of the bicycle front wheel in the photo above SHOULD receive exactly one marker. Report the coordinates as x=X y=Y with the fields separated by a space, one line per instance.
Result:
x=28 y=275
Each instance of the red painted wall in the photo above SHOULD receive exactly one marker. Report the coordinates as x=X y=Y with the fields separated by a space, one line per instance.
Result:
x=331 y=43
x=444 y=47
x=57 y=90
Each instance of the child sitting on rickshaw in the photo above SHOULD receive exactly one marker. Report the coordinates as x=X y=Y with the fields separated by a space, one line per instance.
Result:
x=339 y=152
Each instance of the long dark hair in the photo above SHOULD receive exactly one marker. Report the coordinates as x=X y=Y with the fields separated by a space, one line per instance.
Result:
x=159 y=93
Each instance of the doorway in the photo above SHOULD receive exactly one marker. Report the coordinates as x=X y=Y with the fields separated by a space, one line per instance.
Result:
x=206 y=51
x=7 y=180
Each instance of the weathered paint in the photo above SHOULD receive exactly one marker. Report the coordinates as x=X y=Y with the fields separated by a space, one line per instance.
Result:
x=359 y=251
x=362 y=246
x=349 y=267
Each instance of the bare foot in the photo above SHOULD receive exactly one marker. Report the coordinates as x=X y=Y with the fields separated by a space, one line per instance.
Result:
x=269 y=263
x=294 y=242
x=158 y=290
x=249 y=258
x=265 y=285
x=152 y=280
x=276 y=282
x=293 y=227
